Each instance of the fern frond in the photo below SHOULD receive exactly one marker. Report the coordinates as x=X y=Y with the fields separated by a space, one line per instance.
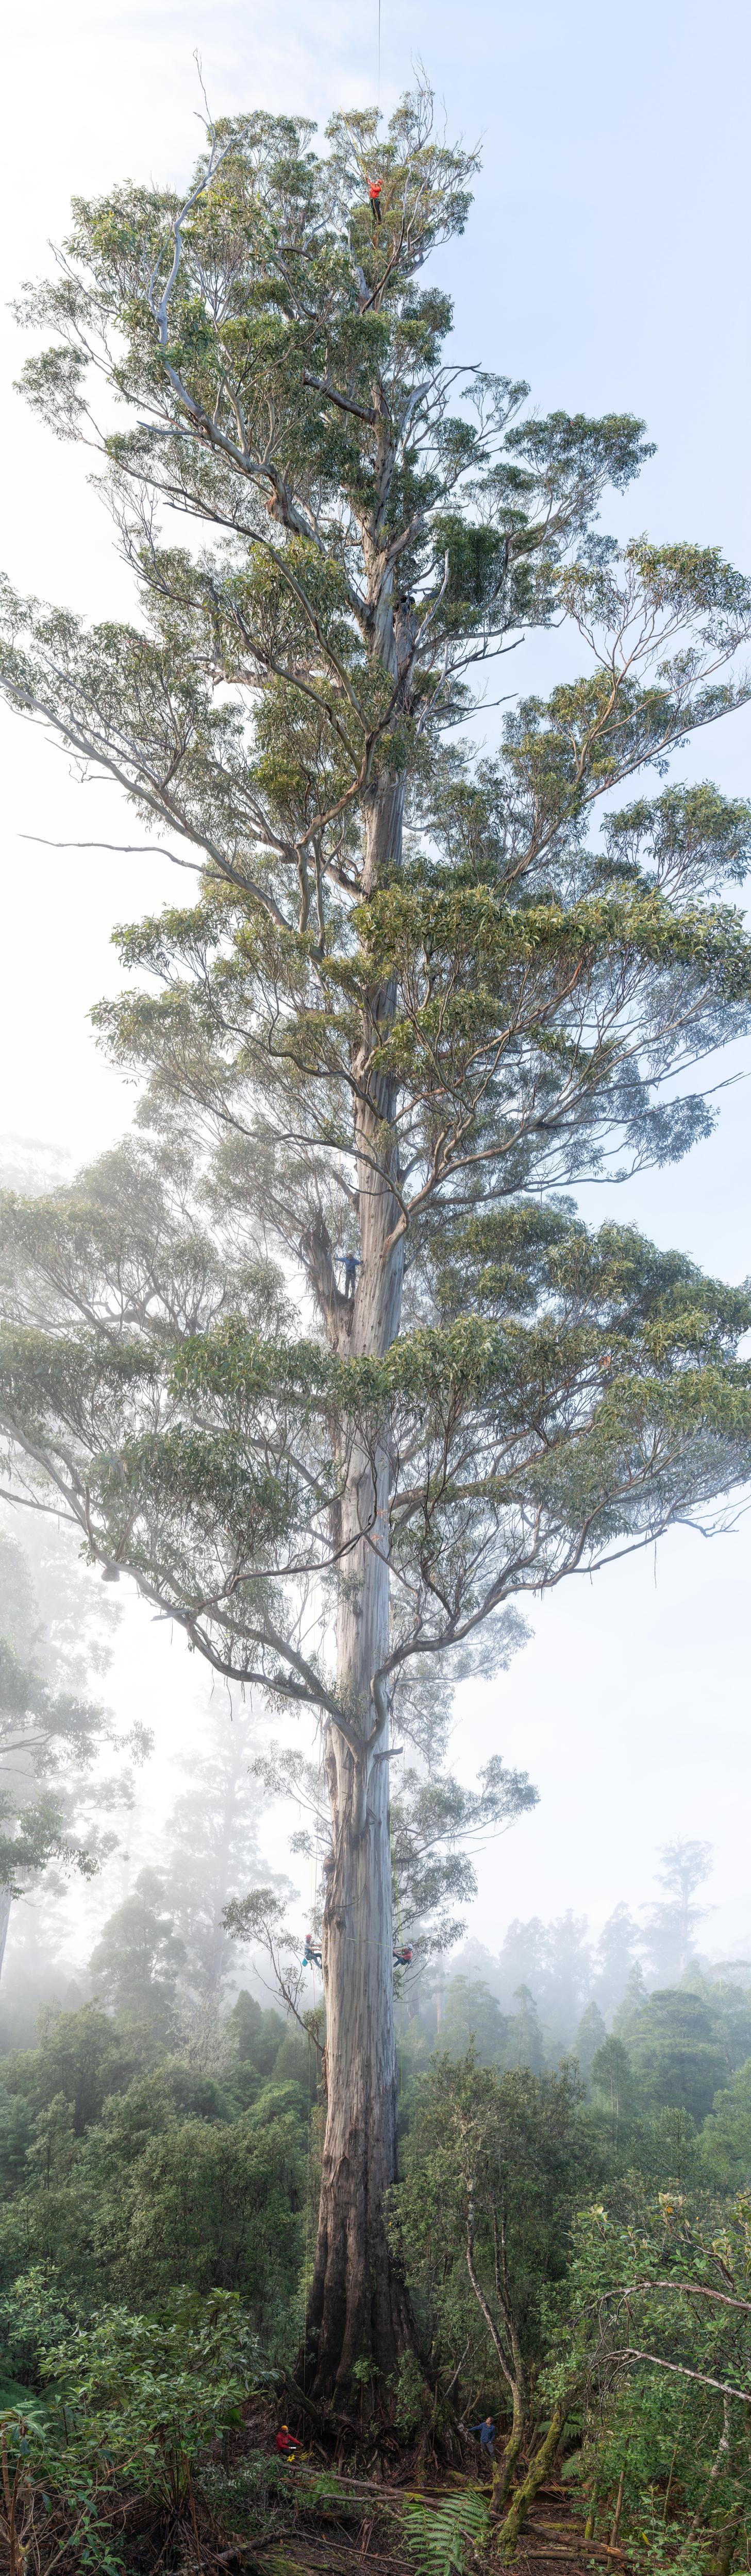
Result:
x=441 y=2537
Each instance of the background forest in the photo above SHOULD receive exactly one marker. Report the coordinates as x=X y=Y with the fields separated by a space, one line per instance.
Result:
x=160 y=2134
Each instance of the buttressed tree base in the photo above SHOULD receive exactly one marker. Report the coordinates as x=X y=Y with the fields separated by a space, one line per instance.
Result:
x=327 y=1361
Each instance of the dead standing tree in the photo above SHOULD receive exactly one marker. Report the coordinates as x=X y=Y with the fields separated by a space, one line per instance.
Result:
x=412 y=1000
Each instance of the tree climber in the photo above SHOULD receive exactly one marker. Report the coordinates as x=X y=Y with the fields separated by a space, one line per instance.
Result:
x=403 y=1958
x=351 y=1264
x=311 y=1956
x=374 y=193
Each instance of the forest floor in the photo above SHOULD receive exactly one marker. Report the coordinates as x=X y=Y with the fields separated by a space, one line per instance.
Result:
x=553 y=2539
x=327 y=2521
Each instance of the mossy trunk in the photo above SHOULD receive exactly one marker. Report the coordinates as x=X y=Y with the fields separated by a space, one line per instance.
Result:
x=511 y=2525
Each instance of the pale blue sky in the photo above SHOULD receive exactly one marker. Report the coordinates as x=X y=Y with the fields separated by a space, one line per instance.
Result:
x=606 y=260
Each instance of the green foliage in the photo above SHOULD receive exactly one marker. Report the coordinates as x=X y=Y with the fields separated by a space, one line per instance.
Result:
x=415 y=1001
x=131 y=2403
x=589 y=2038
x=442 y=2537
x=150 y=2198
x=507 y=2157
x=413 y=2400
x=525 y=2046
x=657 y=2345
x=676 y=2052
x=253 y=2496
x=136 y=1960
x=151 y=2235
x=500 y=1000
x=82 y=2056
x=258 y=2034
x=131 y=2171
x=612 y=2078
x=50 y=1738
x=726 y=2135
x=473 y=2019
x=608 y=1420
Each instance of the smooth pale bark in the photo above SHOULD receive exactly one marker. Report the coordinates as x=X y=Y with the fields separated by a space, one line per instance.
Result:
x=358 y=2309
x=5 y=1906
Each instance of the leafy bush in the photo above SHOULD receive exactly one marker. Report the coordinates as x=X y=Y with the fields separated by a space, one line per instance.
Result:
x=131 y=2404
x=254 y=2494
x=657 y=2344
x=152 y=2196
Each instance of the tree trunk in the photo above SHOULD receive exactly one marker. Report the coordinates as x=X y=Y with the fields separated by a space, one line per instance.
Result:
x=358 y=2312
x=5 y=1906
x=509 y=2529
x=511 y=2362
x=727 y=2542
x=504 y=2469
x=359 y=2318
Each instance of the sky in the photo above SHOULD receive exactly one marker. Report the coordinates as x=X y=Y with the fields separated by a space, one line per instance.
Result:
x=606 y=260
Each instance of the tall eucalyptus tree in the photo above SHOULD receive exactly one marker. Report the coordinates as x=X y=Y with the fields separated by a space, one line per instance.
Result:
x=379 y=1379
